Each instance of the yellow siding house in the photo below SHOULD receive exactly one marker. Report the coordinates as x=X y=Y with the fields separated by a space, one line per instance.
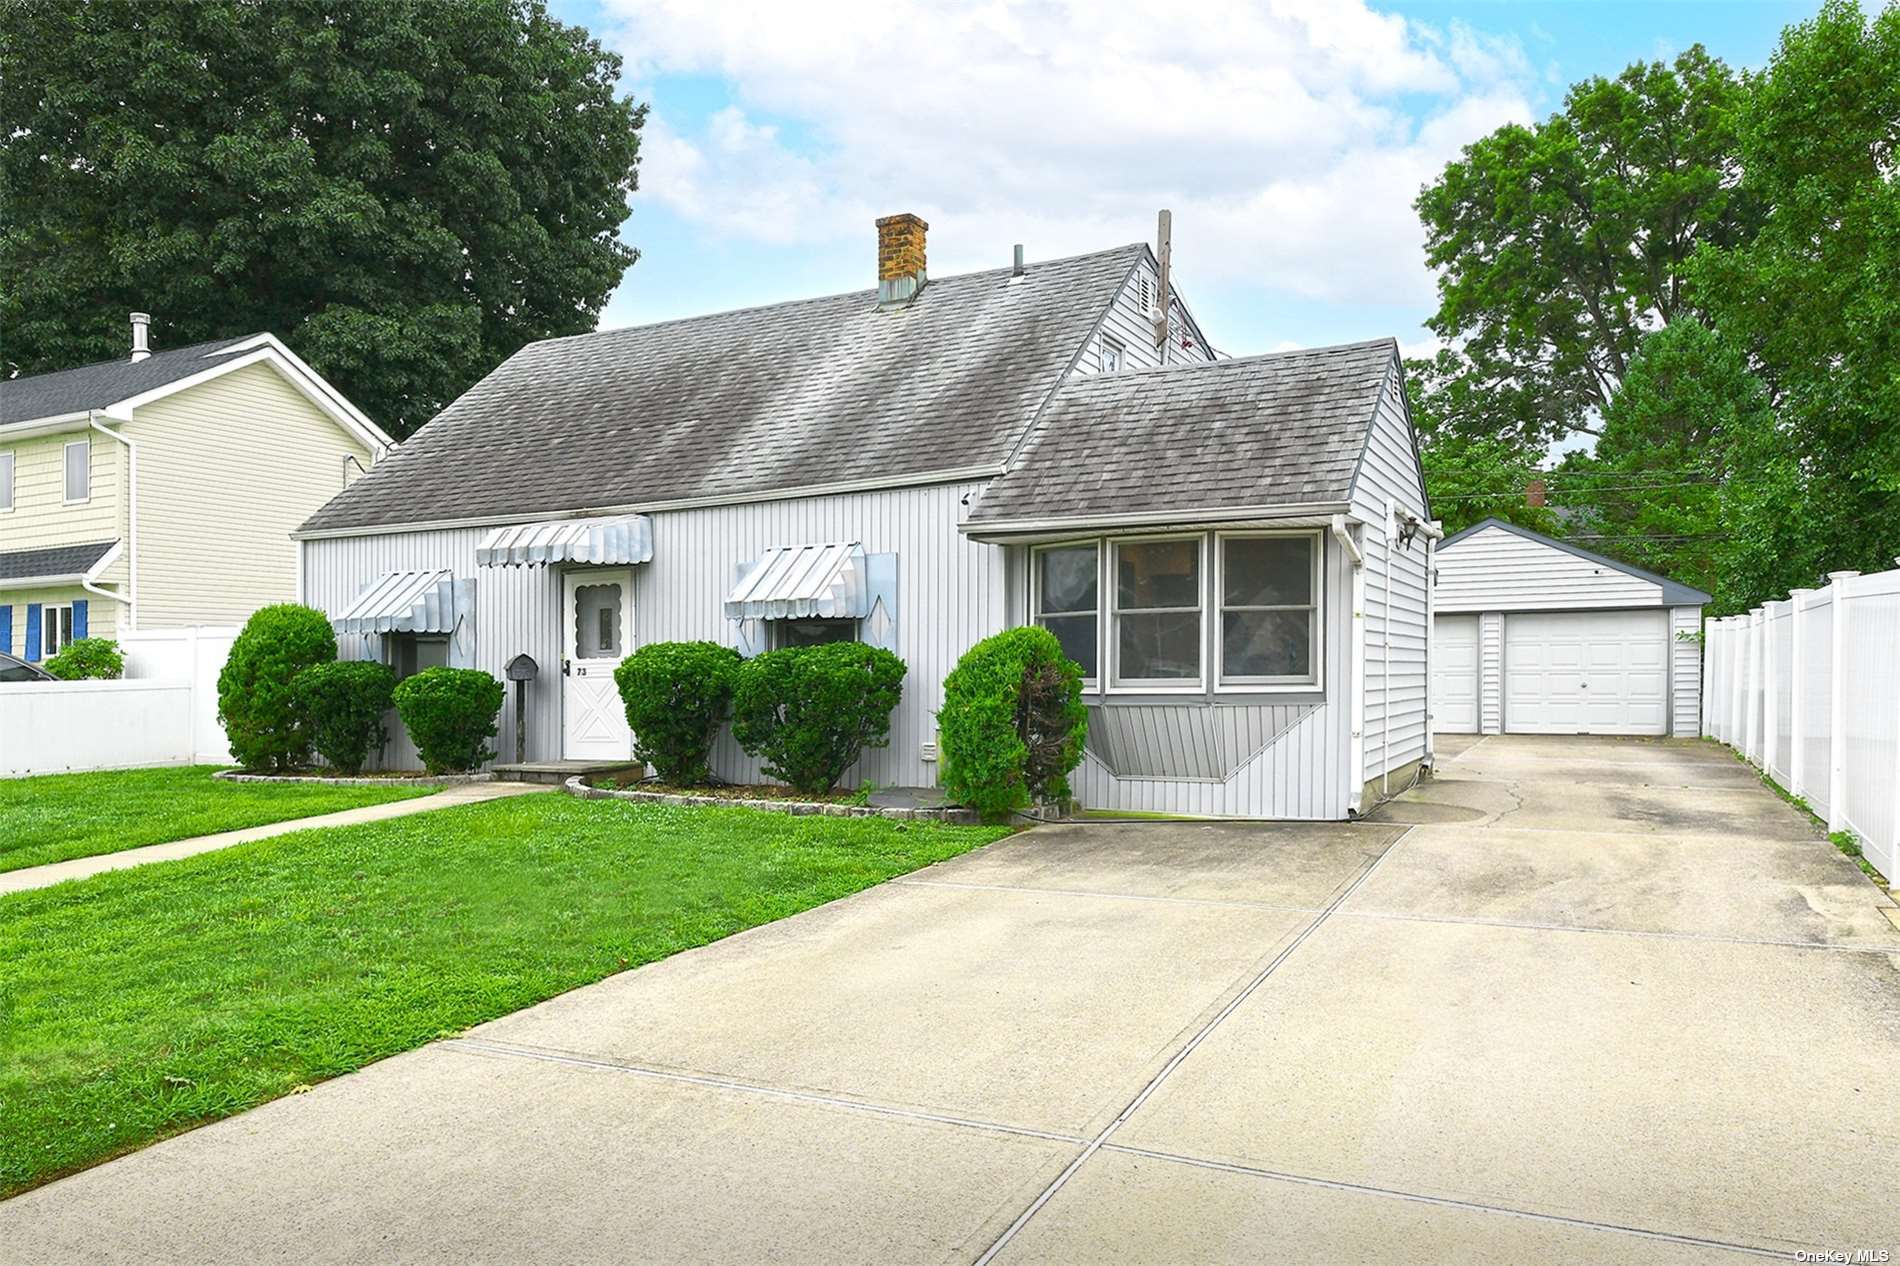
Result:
x=160 y=491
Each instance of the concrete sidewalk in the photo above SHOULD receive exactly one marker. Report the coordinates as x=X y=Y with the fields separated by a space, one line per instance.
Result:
x=1577 y=1001
x=79 y=867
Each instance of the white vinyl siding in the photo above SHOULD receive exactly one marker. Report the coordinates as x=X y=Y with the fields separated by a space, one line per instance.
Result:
x=1685 y=631
x=1126 y=325
x=227 y=470
x=1498 y=570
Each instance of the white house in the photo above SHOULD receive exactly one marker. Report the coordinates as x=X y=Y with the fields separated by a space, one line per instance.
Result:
x=1535 y=636
x=918 y=466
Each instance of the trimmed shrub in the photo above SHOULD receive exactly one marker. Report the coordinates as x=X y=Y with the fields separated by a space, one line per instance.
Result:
x=343 y=703
x=677 y=695
x=88 y=659
x=450 y=714
x=257 y=702
x=1012 y=724
x=810 y=711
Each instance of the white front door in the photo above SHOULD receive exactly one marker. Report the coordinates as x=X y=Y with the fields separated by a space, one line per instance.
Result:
x=596 y=606
x=1455 y=674
x=1586 y=672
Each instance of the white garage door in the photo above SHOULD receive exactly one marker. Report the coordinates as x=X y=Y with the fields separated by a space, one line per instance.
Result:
x=1586 y=672
x=1455 y=674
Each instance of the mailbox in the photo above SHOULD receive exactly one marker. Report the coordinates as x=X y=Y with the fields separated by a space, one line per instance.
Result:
x=521 y=670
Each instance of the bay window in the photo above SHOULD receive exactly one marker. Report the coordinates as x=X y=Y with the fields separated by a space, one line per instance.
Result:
x=1269 y=610
x=1158 y=601
x=1066 y=593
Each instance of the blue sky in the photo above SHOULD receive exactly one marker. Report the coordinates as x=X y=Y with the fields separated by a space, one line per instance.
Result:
x=1288 y=138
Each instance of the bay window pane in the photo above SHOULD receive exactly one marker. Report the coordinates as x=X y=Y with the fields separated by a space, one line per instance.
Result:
x=1266 y=644
x=1273 y=571
x=1068 y=580
x=1151 y=574
x=1077 y=635
x=1165 y=646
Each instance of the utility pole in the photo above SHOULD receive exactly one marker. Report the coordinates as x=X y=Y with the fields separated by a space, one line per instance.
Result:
x=1164 y=301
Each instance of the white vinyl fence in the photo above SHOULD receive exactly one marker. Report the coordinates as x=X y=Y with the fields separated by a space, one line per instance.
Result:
x=165 y=712
x=1809 y=690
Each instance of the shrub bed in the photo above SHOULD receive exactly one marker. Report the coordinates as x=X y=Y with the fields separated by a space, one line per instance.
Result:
x=88 y=659
x=257 y=702
x=677 y=695
x=1012 y=724
x=343 y=703
x=450 y=714
x=810 y=711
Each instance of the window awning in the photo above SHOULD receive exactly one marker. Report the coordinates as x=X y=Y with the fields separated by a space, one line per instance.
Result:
x=406 y=602
x=803 y=582
x=625 y=538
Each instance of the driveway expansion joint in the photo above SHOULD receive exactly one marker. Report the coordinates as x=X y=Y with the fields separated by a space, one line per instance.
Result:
x=1110 y=896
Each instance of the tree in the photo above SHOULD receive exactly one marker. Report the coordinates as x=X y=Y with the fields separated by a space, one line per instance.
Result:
x=1814 y=297
x=1559 y=245
x=405 y=192
x=1469 y=477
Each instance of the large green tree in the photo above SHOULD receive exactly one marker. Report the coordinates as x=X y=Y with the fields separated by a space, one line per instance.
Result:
x=1814 y=297
x=405 y=191
x=1558 y=245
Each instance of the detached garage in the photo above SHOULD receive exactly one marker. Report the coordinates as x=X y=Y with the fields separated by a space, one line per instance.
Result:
x=1535 y=636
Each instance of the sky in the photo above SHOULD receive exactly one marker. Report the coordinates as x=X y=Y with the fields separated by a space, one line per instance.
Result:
x=1289 y=139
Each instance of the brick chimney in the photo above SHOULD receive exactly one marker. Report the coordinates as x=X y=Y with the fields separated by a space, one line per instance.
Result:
x=900 y=259
x=1534 y=494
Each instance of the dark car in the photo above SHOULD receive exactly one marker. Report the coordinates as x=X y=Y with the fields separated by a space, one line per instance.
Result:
x=13 y=668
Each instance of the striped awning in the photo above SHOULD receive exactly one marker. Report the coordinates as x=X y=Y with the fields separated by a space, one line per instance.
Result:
x=404 y=602
x=624 y=538
x=802 y=582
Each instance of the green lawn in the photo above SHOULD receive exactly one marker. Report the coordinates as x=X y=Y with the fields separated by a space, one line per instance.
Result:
x=56 y=816
x=138 y=1003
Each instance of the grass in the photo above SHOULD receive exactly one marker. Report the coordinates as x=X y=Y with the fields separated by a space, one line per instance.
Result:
x=140 y=1003
x=54 y=817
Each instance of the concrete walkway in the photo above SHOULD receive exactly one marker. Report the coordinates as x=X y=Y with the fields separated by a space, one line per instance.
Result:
x=1572 y=1000
x=80 y=867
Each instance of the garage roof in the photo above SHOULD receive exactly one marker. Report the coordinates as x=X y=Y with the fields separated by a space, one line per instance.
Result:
x=1510 y=584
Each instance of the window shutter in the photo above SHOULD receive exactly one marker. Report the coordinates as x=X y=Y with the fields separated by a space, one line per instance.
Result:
x=6 y=629
x=33 y=632
x=79 y=618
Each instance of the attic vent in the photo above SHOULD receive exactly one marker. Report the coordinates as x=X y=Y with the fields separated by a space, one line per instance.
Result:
x=1147 y=298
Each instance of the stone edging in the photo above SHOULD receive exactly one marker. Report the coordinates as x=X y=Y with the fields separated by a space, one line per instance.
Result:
x=421 y=780
x=577 y=786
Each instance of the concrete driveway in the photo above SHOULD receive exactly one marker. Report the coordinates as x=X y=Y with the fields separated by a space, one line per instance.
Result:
x=1573 y=1000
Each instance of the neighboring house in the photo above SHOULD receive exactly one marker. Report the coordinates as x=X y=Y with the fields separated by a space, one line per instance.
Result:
x=918 y=467
x=1536 y=636
x=160 y=491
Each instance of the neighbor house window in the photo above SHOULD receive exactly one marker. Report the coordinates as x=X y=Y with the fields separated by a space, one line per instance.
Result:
x=6 y=481
x=410 y=653
x=79 y=470
x=56 y=629
x=1067 y=598
x=811 y=632
x=1157 y=625
x=1111 y=356
x=1269 y=610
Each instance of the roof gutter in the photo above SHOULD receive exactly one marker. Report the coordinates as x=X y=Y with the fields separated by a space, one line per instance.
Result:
x=1009 y=531
x=131 y=596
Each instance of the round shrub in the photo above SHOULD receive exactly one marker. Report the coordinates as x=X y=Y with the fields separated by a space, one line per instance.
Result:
x=88 y=659
x=450 y=715
x=343 y=703
x=257 y=704
x=810 y=711
x=677 y=695
x=1012 y=724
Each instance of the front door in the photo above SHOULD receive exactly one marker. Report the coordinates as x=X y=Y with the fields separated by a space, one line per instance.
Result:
x=596 y=606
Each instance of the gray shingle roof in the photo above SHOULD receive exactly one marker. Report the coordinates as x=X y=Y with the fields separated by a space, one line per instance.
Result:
x=1258 y=431
x=108 y=382
x=796 y=395
x=53 y=560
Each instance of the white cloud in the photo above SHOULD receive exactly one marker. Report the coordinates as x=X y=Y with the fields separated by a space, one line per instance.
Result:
x=1289 y=138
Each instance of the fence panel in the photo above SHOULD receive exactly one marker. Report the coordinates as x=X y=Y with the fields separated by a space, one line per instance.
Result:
x=1809 y=691
x=194 y=655
x=58 y=726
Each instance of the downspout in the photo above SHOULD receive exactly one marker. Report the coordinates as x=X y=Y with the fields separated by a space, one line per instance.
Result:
x=1356 y=673
x=131 y=597
x=1385 y=653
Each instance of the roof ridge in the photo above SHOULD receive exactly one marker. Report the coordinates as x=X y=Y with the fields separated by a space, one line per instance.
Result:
x=831 y=298
x=127 y=359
